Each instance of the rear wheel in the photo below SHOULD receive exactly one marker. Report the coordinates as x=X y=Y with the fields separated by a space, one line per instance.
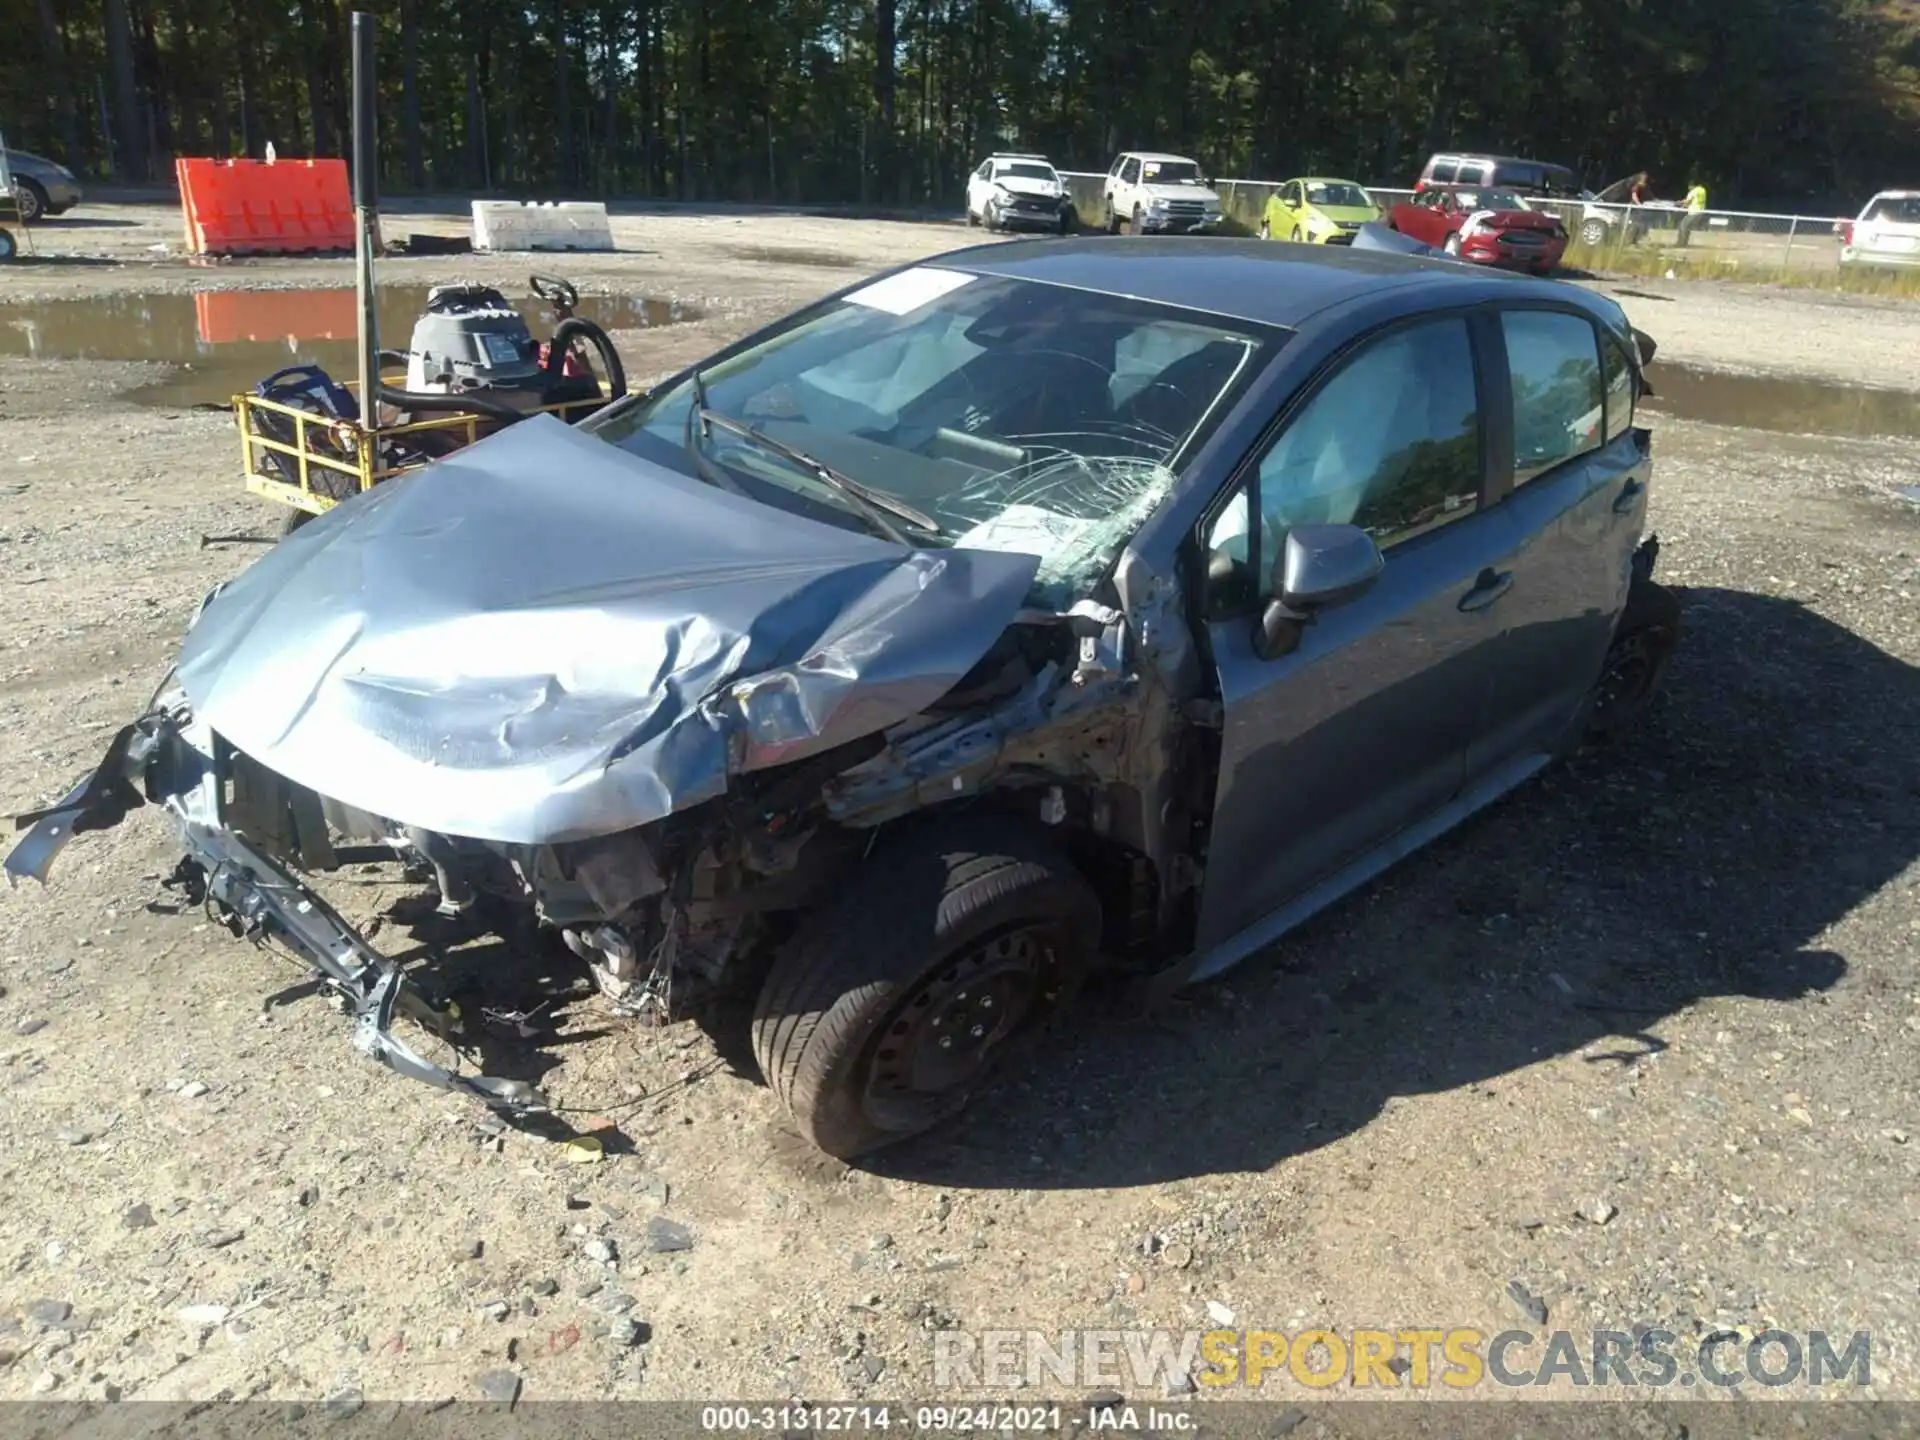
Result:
x=9 y=247
x=900 y=996
x=1643 y=645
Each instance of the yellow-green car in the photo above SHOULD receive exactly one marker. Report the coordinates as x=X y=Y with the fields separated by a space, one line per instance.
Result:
x=1318 y=211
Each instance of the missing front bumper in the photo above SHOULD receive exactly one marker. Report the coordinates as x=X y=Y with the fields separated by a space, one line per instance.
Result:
x=154 y=761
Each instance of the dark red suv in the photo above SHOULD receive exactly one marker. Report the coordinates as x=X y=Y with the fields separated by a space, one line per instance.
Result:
x=1486 y=225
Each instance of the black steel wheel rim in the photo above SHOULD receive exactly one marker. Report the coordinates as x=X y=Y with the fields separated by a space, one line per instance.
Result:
x=1626 y=678
x=946 y=1030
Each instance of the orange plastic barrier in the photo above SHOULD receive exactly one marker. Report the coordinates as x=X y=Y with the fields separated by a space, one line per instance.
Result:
x=250 y=207
x=229 y=315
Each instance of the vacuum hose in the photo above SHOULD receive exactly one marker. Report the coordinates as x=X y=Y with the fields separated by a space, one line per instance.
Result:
x=579 y=327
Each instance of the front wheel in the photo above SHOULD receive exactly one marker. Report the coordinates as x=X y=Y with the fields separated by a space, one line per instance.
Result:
x=9 y=247
x=1113 y=220
x=973 y=220
x=1296 y=237
x=1452 y=247
x=1266 y=232
x=902 y=994
x=31 y=199
x=1593 y=234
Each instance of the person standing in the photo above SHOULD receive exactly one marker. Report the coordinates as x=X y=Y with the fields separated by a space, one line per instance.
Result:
x=1696 y=204
x=1637 y=195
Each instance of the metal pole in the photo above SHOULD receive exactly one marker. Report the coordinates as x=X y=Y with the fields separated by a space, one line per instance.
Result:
x=366 y=214
x=1792 y=230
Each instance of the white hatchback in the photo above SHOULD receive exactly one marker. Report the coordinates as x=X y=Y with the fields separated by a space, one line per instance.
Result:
x=1887 y=232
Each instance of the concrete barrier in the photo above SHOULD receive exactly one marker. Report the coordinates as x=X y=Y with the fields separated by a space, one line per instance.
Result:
x=506 y=225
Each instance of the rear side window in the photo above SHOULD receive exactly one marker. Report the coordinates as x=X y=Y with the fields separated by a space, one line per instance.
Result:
x=1445 y=172
x=1558 y=405
x=1619 y=387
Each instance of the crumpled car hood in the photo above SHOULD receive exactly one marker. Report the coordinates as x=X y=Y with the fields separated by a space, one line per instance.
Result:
x=543 y=638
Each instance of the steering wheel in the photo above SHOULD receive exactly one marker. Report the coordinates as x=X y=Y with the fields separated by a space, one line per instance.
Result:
x=557 y=293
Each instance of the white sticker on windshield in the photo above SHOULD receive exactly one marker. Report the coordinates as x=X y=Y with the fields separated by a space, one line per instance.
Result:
x=906 y=292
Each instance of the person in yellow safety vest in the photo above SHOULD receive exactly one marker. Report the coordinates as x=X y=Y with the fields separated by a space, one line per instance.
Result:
x=1696 y=203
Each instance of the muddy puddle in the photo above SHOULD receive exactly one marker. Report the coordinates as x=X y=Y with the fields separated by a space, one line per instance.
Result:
x=814 y=259
x=1784 y=406
x=225 y=341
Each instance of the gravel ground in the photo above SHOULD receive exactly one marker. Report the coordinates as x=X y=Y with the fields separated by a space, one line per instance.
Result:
x=1642 y=1037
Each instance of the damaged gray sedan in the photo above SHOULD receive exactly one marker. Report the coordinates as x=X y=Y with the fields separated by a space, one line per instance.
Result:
x=1037 y=607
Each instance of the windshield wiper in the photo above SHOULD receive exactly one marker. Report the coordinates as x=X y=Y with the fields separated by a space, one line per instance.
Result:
x=709 y=472
x=873 y=504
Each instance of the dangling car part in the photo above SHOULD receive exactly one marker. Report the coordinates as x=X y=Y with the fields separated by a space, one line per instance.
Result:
x=908 y=658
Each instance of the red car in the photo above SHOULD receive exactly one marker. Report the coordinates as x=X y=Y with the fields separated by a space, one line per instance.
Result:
x=1485 y=225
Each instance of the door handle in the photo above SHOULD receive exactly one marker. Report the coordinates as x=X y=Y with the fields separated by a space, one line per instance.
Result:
x=1628 y=497
x=1488 y=588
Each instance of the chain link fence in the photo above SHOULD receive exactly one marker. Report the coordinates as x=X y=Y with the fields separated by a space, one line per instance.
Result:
x=1638 y=239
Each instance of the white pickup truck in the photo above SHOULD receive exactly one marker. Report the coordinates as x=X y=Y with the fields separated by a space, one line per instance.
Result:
x=1152 y=193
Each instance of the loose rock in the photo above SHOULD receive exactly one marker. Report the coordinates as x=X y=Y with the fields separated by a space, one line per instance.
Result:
x=73 y=1137
x=500 y=1386
x=137 y=1217
x=344 y=1403
x=49 y=1312
x=193 y=1090
x=665 y=1236
x=30 y=1027
x=600 y=1251
x=1532 y=1304
x=1598 y=1211
x=546 y=1285
x=220 y=1238
x=1218 y=1313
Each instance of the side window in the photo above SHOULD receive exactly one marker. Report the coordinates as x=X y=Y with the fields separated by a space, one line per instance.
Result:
x=1445 y=172
x=986 y=168
x=1293 y=197
x=1619 y=387
x=1554 y=362
x=1118 y=161
x=1130 y=172
x=1390 y=443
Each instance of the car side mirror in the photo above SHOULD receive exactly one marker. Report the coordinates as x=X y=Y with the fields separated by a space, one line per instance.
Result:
x=1319 y=567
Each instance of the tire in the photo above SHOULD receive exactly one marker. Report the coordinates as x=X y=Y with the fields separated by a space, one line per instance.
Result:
x=1266 y=232
x=295 y=519
x=1113 y=220
x=32 y=198
x=973 y=220
x=1295 y=236
x=1593 y=234
x=1067 y=221
x=1133 y=223
x=1636 y=663
x=9 y=247
x=888 y=956
x=990 y=216
x=1452 y=247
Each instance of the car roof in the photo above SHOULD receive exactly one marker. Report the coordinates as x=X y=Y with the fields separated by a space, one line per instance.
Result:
x=1255 y=281
x=1156 y=155
x=1896 y=195
x=1017 y=155
x=1496 y=159
x=1321 y=180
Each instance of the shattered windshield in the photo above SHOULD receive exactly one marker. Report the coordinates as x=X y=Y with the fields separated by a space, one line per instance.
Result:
x=1490 y=200
x=1014 y=415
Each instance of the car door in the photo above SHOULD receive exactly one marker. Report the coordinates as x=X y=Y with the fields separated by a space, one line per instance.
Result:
x=977 y=188
x=1575 y=495
x=1328 y=751
x=1424 y=219
x=1290 y=201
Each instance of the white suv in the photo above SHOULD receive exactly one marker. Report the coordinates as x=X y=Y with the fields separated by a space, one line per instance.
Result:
x=1887 y=232
x=1154 y=193
x=1007 y=191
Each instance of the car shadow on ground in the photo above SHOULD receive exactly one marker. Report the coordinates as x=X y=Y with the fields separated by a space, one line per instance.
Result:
x=1767 y=795
x=83 y=222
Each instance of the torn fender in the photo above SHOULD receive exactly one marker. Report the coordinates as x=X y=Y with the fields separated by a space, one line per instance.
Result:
x=543 y=638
